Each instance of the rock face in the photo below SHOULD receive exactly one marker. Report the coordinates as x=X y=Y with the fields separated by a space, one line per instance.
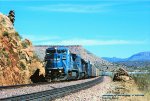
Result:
x=77 y=49
x=17 y=59
x=121 y=75
x=11 y=16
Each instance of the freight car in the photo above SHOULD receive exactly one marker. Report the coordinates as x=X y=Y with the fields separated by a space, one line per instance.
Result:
x=61 y=64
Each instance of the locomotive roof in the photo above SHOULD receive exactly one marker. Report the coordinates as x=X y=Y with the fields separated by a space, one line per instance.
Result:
x=58 y=48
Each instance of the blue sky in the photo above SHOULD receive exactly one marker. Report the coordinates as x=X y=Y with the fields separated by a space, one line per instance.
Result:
x=107 y=28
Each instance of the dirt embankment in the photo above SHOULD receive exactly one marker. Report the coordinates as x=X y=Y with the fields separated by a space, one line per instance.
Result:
x=128 y=91
x=125 y=88
x=17 y=59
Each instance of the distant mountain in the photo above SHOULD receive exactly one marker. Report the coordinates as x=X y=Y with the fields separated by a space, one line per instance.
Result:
x=142 y=56
x=140 y=60
x=113 y=59
x=138 y=64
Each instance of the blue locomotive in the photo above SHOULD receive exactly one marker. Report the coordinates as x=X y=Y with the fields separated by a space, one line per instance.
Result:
x=61 y=64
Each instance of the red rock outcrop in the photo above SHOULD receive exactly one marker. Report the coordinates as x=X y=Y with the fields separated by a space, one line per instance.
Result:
x=17 y=59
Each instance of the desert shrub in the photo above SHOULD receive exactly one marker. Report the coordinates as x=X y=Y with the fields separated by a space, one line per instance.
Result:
x=3 y=49
x=22 y=65
x=143 y=82
x=24 y=44
x=35 y=56
x=8 y=62
x=3 y=21
x=17 y=34
x=5 y=34
x=22 y=56
x=5 y=54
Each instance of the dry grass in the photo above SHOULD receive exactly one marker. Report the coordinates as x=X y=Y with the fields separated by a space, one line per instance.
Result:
x=143 y=84
x=131 y=87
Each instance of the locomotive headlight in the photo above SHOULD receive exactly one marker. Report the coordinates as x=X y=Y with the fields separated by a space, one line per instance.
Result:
x=49 y=71
x=60 y=71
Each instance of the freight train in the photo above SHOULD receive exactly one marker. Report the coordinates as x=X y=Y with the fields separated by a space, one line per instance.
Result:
x=61 y=64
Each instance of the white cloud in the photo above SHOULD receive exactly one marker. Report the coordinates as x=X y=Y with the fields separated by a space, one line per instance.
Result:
x=39 y=38
x=74 y=0
x=76 y=8
x=91 y=42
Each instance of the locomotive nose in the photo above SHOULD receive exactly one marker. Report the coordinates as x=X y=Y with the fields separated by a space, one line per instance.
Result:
x=57 y=61
x=56 y=57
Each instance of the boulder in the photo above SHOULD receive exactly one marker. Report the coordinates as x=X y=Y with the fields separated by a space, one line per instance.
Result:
x=28 y=42
x=125 y=78
x=5 y=24
x=121 y=75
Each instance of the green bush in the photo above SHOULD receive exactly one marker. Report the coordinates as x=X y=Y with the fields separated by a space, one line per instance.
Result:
x=17 y=34
x=3 y=21
x=6 y=54
x=22 y=65
x=8 y=62
x=5 y=34
x=24 y=44
x=3 y=49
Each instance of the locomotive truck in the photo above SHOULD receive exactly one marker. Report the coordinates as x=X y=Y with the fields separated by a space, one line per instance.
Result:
x=61 y=64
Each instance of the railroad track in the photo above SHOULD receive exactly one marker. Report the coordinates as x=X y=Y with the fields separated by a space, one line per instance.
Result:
x=54 y=93
x=22 y=85
x=33 y=84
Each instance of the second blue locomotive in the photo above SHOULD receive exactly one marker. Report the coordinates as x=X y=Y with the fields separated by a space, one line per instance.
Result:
x=61 y=64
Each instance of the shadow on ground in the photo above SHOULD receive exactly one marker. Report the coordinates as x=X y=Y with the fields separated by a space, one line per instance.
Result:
x=36 y=77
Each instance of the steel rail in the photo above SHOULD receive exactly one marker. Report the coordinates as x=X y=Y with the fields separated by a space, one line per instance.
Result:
x=49 y=95
x=32 y=84
x=27 y=85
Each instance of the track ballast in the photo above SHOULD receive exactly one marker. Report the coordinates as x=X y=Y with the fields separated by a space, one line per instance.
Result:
x=54 y=93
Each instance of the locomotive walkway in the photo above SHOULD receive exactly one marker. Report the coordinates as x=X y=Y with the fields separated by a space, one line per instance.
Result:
x=54 y=93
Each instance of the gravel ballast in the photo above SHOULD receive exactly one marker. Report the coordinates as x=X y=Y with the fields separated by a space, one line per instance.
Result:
x=94 y=93
x=32 y=89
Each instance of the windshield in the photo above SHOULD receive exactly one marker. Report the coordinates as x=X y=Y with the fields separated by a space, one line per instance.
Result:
x=50 y=51
x=61 y=51
x=56 y=51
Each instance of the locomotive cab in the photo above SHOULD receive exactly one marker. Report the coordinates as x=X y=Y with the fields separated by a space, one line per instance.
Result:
x=56 y=62
x=60 y=64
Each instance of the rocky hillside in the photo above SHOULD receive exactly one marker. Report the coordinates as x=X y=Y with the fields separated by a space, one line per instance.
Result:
x=85 y=54
x=17 y=59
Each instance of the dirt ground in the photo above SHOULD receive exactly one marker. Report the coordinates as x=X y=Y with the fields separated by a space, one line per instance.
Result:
x=126 y=91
